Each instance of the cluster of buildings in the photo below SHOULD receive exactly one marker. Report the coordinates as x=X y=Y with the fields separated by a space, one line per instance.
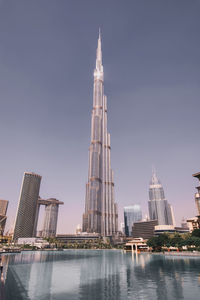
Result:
x=100 y=218
x=101 y=215
x=161 y=216
x=28 y=211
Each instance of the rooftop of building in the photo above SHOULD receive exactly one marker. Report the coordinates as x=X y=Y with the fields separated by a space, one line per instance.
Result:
x=132 y=207
x=33 y=174
x=196 y=175
x=49 y=201
x=146 y=221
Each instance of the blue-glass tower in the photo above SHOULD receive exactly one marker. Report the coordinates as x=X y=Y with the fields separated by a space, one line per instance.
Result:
x=132 y=214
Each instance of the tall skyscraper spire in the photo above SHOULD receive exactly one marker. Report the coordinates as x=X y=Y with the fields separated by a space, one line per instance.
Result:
x=100 y=208
x=99 y=52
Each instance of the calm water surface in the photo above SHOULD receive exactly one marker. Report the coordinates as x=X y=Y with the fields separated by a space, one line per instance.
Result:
x=95 y=275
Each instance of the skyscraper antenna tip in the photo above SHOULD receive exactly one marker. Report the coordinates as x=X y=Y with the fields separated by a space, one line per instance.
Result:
x=153 y=169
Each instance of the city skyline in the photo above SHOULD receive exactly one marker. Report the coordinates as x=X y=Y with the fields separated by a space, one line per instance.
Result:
x=28 y=211
x=152 y=82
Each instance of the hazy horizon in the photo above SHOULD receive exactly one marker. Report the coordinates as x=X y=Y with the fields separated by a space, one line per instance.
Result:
x=152 y=75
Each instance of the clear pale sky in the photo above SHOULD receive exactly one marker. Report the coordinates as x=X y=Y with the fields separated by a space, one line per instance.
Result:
x=151 y=57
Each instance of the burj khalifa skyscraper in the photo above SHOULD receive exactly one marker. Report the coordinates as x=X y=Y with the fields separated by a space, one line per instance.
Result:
x=101 y=214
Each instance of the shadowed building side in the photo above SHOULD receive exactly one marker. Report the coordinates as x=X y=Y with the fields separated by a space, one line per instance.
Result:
x=144 y=229
x=27 y=206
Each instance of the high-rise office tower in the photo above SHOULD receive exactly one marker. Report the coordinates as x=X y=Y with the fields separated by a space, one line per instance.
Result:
x=159 y=208
x=3 y=211
x=132 y=214
x=100 y=208
x=27 y=207
x=51 y=216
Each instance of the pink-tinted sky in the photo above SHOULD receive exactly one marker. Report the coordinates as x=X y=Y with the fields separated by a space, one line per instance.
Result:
x=152 y=75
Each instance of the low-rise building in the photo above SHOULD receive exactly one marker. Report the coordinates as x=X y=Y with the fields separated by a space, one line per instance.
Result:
x=137 y=244
x=35 y=242
x=160 y=229
x=144 y=229
x=77 y=238
x=193 y=223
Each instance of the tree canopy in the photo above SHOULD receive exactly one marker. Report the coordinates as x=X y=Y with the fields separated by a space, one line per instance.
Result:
x=175 y=240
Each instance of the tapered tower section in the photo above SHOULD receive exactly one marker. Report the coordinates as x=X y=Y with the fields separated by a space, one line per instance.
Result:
x=100 y=208
x=159 y=208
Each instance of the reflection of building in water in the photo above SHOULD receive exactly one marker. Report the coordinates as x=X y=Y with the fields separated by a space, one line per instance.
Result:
x=17 y=277
x=88 y=275
x=165 y=277
x=28 y=276
x=3 y=274
x=101 y=280
x=143 y=276
x=5 y=259
x=41 y=276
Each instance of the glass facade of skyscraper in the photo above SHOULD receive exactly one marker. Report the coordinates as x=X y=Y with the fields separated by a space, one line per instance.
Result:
x=132 y=214
x=159 y=208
